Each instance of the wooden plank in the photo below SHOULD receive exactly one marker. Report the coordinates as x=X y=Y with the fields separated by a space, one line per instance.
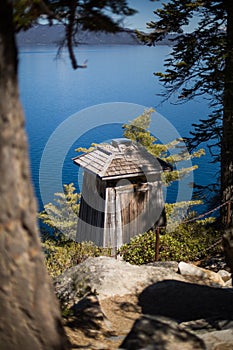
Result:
x=91 y=215
x=105 y=237
x=109 y=233
x=119 y=237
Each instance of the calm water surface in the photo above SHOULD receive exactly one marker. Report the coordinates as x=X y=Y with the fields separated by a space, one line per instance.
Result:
x=51 y=91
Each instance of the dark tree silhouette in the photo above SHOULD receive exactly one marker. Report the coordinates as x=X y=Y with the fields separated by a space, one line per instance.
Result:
x=30 y=316
x=201 y=62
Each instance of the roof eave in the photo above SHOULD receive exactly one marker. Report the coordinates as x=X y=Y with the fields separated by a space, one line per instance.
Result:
x=123 y=176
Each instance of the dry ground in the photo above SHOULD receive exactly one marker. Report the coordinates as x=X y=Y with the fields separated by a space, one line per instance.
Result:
x=120 y=316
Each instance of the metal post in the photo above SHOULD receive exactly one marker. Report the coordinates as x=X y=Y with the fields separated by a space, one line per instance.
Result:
x=157 y=235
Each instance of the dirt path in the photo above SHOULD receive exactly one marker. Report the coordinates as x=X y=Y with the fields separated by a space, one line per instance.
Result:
x=120 y=314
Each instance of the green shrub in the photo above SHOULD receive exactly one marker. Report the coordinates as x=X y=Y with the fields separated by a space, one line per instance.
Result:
x=61 y=254
x=188 y=242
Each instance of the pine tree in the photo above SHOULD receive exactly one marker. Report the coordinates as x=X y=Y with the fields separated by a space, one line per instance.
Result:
x=138 y=130
x=201 y=62
x=62 y=215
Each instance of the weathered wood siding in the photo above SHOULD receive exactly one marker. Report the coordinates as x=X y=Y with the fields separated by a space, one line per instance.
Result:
x=92 y=208
x=111 y=216
x=131 y=210
x=122 y=193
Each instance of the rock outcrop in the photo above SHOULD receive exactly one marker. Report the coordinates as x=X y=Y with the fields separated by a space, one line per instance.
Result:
x=108 y=277
x=157 y=333
x=203 y=274
x=156 y=306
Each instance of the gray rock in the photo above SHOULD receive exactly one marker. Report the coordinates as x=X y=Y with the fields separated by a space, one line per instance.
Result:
x=159 y=333
x=219 y=340
x=225 y=275
x=192 y=270
x=108 y=277
x=228 y=284
x=173 y=265
x=186 y=302
x=203 y=326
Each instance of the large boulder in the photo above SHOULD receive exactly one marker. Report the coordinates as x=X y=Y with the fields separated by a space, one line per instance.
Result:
x=158 y=333
x=108 y=277
x=185 y=302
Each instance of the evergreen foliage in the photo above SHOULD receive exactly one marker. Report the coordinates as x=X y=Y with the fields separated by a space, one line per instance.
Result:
x=187 y=242
x=138 y=130
x=62 y=215
x=196 y=65
x=62 y=254
x=201 y=63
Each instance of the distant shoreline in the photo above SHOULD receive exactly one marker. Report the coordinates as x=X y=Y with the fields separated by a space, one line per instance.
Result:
x=44 y=36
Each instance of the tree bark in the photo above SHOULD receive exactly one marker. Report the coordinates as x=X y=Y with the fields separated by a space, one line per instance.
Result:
x=29 y=311
x=227 y=137
x=227 y=143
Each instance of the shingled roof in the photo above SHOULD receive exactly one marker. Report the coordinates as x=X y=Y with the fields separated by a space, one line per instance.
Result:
x=121 y=158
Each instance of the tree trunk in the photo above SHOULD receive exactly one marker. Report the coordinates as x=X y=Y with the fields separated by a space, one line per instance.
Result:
x=227 y=142
x=29 y=311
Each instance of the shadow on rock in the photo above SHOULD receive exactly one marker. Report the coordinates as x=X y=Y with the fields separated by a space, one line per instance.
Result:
x=159 y=333
x=180 y=315
x=186 y=301
x=89 y=317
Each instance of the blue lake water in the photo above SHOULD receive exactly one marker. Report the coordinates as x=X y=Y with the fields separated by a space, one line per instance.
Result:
x=51 y=91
